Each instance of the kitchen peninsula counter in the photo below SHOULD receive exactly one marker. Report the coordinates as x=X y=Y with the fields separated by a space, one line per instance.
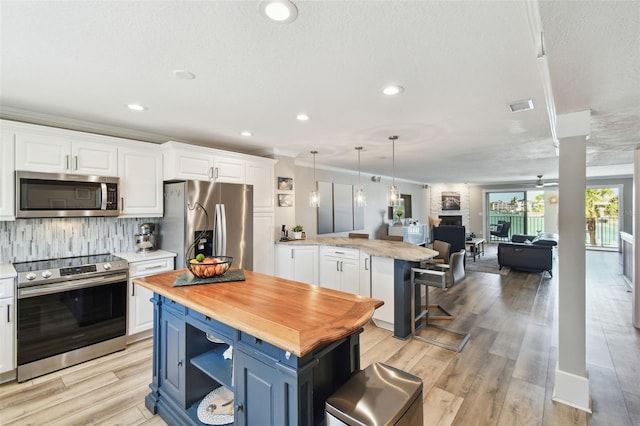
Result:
x=381 y=248
x=291 y=346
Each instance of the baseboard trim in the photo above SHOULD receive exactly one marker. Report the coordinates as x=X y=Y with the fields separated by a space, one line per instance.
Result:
x=572 y=390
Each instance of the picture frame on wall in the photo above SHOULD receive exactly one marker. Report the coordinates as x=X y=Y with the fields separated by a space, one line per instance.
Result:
x=285 y=183
x=450 y=200
x=285 y=200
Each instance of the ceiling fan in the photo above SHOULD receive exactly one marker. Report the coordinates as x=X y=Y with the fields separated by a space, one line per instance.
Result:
x=541 y=183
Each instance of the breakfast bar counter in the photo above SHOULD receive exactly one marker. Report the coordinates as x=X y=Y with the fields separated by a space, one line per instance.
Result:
x=281 y=347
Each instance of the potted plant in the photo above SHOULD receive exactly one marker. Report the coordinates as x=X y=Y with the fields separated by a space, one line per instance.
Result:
x=297 y=232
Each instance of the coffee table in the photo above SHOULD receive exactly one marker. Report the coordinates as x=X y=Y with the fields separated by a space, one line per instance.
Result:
x=476 y=246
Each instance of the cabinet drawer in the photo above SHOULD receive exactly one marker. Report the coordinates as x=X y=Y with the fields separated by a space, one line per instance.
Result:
x=210 y=325
x=174 y=307
x=262 y=349
x=345 y=253
x=7 y=287
x=150 y=267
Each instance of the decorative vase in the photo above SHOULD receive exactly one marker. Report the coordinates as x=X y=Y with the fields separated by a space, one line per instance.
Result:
x=297 y=235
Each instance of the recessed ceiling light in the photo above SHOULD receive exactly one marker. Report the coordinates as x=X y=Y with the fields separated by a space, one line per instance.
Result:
x=393 y=90
x=137 y=107
x=184 y=74
x=303 y=117
x=518 y=106
x=280 y=11
x=246 y=133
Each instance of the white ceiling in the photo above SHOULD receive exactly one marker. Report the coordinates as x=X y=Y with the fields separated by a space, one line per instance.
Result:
x=460 y=63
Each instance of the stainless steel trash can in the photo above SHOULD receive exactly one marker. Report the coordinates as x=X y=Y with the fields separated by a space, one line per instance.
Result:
x=378 y=395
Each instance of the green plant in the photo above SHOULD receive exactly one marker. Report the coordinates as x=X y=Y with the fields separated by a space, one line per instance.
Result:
x=298 y=228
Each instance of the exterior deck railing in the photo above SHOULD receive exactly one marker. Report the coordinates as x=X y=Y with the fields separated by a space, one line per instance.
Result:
x=607 y=229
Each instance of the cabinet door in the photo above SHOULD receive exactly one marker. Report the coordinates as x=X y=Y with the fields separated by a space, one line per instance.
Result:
x=7 y=177
x=42 y=153
x=140 y=172
x=365 y=275
x=140 y=309
x=350 y=275
x=94 y=158
x=172 y=356
x=305 y=265
x=260 y=393
x=382 y=288
x=261 y=176
x=263 y=247
x=284 y=261
x=194 y=165
x=330 y=275
x=229 y=170
x=7 y=334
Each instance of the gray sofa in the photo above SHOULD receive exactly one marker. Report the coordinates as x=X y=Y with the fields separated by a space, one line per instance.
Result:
x=530 y=253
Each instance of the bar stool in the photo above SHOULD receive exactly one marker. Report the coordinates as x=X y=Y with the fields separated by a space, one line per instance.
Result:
x=424 y=278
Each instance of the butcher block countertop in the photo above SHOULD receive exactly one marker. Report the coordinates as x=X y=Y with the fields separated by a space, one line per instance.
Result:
x=293 y=316
x=381 y=248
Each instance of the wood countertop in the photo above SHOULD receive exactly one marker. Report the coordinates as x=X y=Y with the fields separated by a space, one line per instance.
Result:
x=293 y=316
x=382 y=248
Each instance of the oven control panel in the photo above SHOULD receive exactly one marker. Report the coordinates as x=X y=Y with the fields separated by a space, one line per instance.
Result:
x=75 y=270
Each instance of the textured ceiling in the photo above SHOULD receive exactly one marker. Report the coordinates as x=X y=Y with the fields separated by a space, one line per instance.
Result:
x=460 y=62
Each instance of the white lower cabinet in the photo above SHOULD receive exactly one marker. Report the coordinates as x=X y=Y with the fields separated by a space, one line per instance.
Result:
x=365 y=274
x=7 y=330
x=382 y=288
x=140 y=308
x=339 y=268
x=297 y=263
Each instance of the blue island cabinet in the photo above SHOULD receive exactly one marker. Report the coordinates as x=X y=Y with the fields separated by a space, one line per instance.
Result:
x=271 y=386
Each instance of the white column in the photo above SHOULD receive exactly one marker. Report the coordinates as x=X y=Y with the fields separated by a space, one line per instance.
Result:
x=572 y=379
x=636 y=240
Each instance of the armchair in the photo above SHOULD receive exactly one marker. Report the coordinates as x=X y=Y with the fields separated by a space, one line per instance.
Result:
x=501 y=231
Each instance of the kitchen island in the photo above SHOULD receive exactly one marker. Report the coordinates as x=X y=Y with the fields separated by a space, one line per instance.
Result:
x=293 y=346
x=383 y=271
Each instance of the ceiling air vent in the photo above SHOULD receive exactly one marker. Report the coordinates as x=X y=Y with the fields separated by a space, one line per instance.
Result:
x=521 y=106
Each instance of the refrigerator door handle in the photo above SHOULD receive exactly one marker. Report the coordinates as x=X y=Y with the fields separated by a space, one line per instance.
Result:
x=220 y=224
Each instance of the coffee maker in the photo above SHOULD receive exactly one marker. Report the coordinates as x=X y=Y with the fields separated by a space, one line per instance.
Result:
x=146 y=240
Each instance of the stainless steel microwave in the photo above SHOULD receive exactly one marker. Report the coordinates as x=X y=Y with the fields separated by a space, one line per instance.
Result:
x=64 y=195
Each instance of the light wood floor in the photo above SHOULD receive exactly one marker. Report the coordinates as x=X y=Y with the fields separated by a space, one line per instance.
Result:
x=504 y=376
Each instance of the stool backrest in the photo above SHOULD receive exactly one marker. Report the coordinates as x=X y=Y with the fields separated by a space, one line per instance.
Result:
x=443 y=249
x=456 y=265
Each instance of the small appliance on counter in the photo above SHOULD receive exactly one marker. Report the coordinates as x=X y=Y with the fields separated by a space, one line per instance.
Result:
x=146 y=240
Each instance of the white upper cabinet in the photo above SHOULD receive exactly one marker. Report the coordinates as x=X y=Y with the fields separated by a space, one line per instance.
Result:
x=140 y=172
x=260 y=174
x=49 y=150
x=228 y=169
x=7 y=177
x=183 y=161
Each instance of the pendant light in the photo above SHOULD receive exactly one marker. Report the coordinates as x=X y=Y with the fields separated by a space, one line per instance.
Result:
x=359 y=196
x=393 y=194
x=314 y=197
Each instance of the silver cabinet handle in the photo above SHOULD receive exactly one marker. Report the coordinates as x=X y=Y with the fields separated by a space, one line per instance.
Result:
x=366 y=263
x=153 y=267
x=292 y=255
x=338 y=265
x=75 y=161
x=216 y=173
x=341 y=263
x=8 y=313
x=121 y=204
x=66 y=162
x=133 y=289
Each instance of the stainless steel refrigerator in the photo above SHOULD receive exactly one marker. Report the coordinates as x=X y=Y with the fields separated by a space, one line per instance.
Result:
x=210 y=218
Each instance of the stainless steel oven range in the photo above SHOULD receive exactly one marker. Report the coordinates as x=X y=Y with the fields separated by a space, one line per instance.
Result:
x=69 y=310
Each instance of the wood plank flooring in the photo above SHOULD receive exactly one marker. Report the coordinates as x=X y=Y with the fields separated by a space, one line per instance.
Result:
x=504 y=376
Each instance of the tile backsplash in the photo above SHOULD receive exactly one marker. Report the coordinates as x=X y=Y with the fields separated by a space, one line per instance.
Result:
x=37 y=239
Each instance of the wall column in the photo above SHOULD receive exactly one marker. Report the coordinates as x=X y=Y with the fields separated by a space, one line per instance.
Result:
x=572 y=379
x=635 y=306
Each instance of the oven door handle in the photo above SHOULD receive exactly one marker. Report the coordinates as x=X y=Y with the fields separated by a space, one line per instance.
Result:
x=41 y=290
